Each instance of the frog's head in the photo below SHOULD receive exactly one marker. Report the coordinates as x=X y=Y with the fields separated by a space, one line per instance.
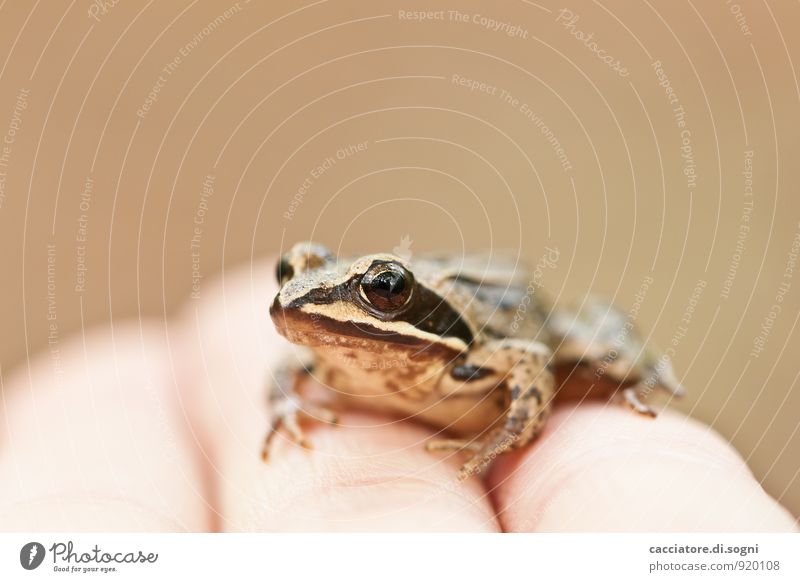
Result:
x=372 y=304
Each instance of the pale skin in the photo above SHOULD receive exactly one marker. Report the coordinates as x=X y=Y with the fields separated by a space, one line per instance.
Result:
x=158 y=428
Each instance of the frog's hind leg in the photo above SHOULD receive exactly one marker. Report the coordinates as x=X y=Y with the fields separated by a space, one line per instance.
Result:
x=287 y=407
x=599 y=353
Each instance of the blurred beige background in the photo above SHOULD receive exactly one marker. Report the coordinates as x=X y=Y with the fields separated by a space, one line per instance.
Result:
x=145 y=146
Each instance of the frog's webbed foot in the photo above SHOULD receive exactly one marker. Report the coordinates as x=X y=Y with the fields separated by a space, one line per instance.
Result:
x=483 y=453
x=287 y=416
x=658 y=376
x=634 y=402
x=287 y=408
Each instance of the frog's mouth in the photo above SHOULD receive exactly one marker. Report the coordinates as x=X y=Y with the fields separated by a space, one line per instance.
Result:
x=316 y=330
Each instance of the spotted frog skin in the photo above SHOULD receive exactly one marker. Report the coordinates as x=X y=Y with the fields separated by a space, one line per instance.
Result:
x=450 y=342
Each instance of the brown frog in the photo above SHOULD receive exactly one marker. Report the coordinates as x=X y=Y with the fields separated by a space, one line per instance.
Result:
x=472 y=349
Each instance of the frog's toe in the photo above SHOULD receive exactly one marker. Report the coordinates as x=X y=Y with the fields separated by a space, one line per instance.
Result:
x=290 y=426
x=316 y=413
x=436 y=445
x=476 y=465
x=275 y=427
x=633 y=400
x=500 y=442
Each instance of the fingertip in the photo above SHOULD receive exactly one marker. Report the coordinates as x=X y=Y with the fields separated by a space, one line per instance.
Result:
x=94 y=440
x=601 y=468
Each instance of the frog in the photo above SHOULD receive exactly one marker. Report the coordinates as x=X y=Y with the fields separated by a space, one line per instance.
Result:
x=467 y=344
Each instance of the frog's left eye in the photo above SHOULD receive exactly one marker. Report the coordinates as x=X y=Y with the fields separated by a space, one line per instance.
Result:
x=387 y=286
x=283 y=271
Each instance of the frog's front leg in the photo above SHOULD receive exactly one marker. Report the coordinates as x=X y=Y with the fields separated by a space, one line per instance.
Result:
x=520 y=369
x=286 y=405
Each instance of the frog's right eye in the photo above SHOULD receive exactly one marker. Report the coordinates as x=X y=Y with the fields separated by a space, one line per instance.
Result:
x=284 y=271
x=387 y=287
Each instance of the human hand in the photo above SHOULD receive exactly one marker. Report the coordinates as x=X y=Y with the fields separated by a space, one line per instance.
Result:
x=158 y=427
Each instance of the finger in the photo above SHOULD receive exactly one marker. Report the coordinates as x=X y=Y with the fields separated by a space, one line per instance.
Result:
x=90 y=440
x=602 y=468
x=368 y=473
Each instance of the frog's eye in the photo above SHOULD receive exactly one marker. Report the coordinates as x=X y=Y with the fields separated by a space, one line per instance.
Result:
x=284 y=271
x=387 y=286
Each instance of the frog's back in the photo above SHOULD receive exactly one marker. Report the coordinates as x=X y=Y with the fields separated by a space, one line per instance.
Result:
x=497 y=293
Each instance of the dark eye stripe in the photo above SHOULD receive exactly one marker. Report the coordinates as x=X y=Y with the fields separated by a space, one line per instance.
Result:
x=429 y=312
x=433 y=314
